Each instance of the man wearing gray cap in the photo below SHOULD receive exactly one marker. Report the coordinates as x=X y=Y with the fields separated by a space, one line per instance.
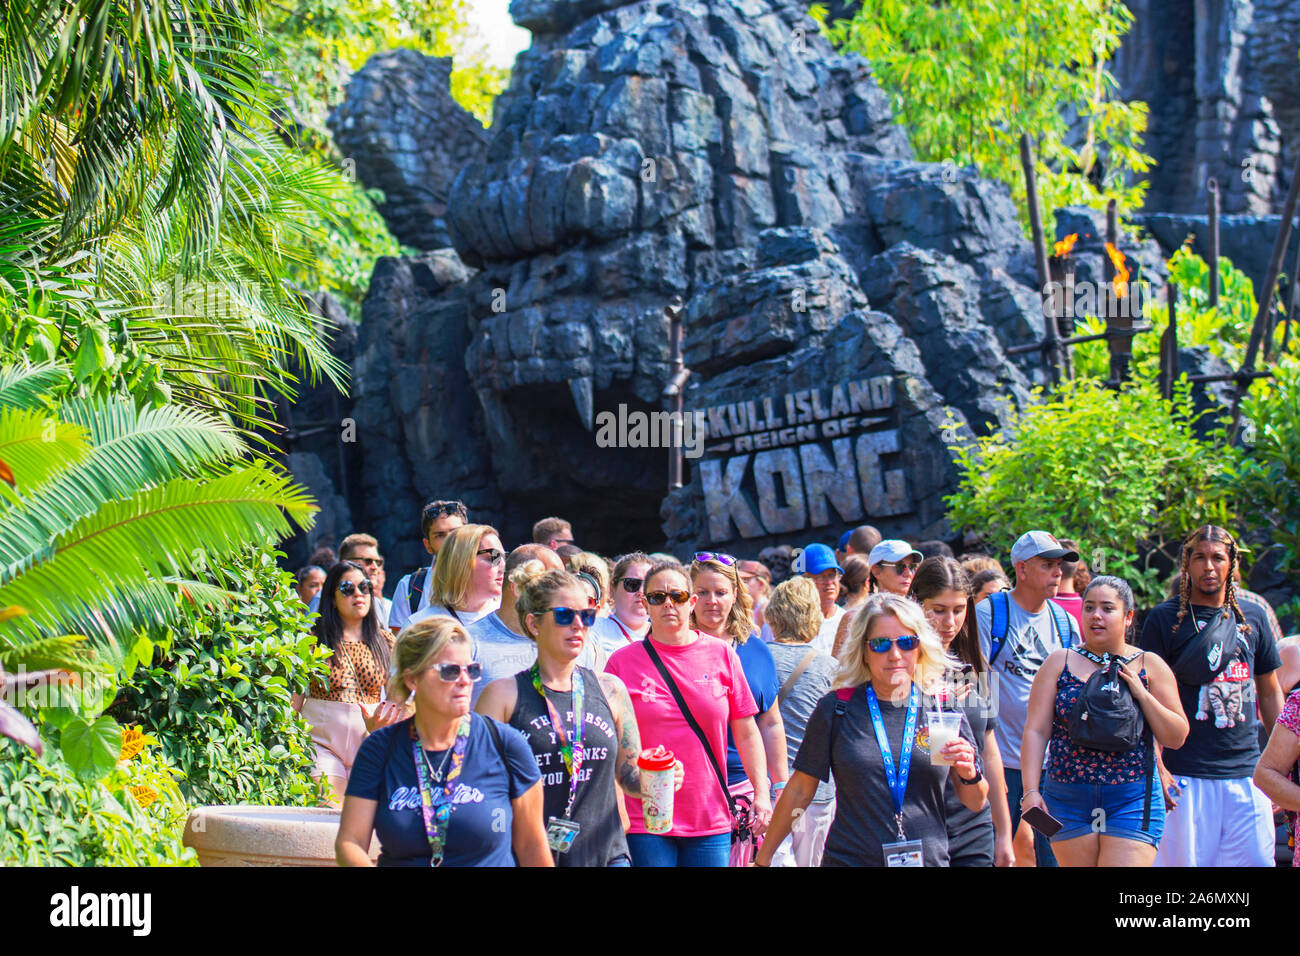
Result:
x=1018 y=630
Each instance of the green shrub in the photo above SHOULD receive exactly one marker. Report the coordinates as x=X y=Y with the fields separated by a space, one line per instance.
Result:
x=217 y=691
x=1123 y=473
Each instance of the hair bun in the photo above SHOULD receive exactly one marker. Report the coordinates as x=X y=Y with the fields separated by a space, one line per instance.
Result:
x=526 y=573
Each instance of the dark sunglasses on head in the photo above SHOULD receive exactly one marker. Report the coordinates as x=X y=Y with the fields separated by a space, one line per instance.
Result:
x=347 y=587
x=904 y=567
x=494 y=555
x=726 y=559
x=908 y=642
x=440 y=508
x=450 y=673
x=631 y=585
x=658 y=597
x=564 y=615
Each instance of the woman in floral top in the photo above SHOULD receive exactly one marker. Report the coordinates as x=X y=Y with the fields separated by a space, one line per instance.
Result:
x=1278 y=769
x=1111 y=810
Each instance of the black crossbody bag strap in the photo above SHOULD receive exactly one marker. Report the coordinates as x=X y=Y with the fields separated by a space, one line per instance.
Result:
x=690 y=719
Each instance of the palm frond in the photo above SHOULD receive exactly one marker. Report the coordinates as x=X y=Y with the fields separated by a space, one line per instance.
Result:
x=22 y=386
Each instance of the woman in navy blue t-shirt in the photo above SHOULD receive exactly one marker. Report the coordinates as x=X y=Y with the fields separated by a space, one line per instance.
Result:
x=444 y=787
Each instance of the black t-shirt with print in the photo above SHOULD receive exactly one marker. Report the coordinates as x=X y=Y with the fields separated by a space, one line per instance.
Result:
x=1222 y=740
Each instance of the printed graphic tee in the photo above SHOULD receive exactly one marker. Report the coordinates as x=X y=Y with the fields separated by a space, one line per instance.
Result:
x=1223 y=736
x=478 y=832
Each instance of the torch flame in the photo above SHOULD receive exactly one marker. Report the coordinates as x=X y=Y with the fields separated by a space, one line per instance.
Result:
x=1120 y=282
x=1063 y=247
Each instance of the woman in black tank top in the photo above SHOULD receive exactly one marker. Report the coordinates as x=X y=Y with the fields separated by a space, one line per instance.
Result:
x=583 y=820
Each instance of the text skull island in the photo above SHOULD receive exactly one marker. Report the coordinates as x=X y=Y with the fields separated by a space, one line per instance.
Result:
x=800 y=454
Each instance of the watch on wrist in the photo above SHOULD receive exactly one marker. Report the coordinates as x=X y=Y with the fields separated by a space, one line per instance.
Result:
x=973 y=780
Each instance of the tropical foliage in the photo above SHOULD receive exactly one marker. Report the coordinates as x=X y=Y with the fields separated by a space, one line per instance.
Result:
x=967 y=77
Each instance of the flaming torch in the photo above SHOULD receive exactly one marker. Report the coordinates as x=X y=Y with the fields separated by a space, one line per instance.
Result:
x=1060 y=267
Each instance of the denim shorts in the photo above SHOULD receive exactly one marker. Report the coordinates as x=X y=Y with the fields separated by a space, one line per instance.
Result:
x=1113 y=809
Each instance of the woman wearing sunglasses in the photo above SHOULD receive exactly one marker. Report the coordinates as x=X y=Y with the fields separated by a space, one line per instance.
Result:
x=873 y=734
x=722 y=610
x=342 y=713
x=708 y=678
x=630 y=619
x=582 y=762
x=468 y=576
x=942 y=588
x=444 y=787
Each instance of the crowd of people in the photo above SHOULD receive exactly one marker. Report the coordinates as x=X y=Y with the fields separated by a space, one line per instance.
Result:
x=877 y=703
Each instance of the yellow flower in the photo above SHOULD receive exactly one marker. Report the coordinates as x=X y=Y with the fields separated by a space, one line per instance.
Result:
x=144 y=795
x=132 y=743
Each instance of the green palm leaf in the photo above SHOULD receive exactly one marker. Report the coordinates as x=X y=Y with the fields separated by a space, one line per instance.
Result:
x=23 y=386
x=36 y=446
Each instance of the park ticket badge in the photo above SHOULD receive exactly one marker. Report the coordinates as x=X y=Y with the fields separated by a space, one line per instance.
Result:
x=907 y=853
x=560 y=834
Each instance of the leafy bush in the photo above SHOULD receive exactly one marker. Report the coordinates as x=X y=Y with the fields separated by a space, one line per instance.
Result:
x=1123 y=473
x=216 y=692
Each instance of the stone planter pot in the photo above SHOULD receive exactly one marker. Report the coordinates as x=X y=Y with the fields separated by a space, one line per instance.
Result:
x=265 y=836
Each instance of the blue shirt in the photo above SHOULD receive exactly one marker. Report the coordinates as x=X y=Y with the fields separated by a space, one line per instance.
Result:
x=479 y=831
x=760 y=672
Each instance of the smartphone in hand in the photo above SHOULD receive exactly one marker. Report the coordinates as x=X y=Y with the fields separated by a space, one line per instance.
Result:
x=1042 y=821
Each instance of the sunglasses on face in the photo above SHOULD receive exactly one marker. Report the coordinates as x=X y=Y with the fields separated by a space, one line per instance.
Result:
x=450 y=673
x=904 y=567
x=348 y=587
x=631 y=585
x=373 y=562
x=658 y=597
x=726 y=559
x=494 y=555
x=564 y=615
x=881 y=645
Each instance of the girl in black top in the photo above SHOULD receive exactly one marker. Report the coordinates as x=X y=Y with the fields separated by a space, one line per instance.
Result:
x=582 y=817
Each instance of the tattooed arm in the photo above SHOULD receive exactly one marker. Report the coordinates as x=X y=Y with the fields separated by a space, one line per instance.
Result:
x=629 y=738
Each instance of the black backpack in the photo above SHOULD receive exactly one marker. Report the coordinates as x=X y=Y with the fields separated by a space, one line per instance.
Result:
x=1105 y=716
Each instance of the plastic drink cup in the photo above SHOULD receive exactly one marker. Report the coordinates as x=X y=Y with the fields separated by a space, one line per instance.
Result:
x=945 y=727
x=657 y=784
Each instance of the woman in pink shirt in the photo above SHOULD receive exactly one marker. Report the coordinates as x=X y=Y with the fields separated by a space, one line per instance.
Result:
x=708 y=677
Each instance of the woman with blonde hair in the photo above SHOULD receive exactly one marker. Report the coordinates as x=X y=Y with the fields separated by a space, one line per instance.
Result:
x=585 y=759
x=806 y=675
x=722 y=610
x=889 y=810
x=443 y=787
x=468 y=576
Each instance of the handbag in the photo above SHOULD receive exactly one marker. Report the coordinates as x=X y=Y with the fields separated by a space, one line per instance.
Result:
x=742 y=819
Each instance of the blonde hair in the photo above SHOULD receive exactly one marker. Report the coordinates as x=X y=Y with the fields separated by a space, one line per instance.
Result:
x=454 y=569
x=931 y=661
x=795 y=612
x=740 y=622
x=594 y=565
x=418 y=646
x=537 y=592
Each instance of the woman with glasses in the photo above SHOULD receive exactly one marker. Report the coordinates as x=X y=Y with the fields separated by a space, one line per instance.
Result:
x=583 y=762
x=342 y=713
x=892 y=565
x=874 y=735
x=722 y=610
x=676 y=662
x=444 y=787
x=942 y=588
x=630 y=619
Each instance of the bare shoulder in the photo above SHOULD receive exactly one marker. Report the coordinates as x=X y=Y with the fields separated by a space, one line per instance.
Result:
x=498 y=699
x=612 y=684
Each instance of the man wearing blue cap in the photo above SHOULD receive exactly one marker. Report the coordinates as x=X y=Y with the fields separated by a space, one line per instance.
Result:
x=1018 y=630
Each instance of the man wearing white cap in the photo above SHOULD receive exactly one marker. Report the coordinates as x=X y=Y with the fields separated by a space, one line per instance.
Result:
x=1018 y=630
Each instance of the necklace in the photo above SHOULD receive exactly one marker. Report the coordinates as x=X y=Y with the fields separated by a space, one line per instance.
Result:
x=442 y=767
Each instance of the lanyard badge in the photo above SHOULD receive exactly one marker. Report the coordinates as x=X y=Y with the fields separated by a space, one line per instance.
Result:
x=436 y=805
x=905 y=852
x=562 y=831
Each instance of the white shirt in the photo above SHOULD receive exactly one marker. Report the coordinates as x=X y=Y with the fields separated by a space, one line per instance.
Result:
x=400 y=616
x=610 y=634
x=465 y=617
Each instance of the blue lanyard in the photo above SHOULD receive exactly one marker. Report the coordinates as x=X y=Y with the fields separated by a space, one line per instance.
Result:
x=897 y=780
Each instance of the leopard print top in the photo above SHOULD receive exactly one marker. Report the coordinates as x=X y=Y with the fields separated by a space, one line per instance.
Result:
x=355 y=675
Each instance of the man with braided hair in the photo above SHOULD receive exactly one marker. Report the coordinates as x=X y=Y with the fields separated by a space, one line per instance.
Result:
x=1221 y=818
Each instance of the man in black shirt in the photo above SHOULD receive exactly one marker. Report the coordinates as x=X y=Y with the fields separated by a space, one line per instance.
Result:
x=1221 y=818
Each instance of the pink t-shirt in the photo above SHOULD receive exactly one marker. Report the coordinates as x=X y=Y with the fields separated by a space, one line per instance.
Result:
x=1073 y=605
x=711 y=681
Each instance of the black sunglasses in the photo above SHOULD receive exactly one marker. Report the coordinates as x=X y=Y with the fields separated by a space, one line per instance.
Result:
x=376 y=562
x=450 y=673
x=564 y=615
x=347 y=587
x=440 y=508
x=494 y=555
x=904 y=567
x=631 y=585
x=658 y=597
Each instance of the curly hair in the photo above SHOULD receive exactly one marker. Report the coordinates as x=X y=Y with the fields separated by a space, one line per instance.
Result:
x=1202 y=534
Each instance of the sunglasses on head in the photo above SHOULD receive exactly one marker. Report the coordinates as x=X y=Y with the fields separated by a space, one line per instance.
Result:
x=440 y=508
x=658 y=597
x=726 y=559
x=450 y=673
x=631 y=585
x=904 y=567
x=494 y=555
x=564 y=615
x=881 y=645
x=347 y=587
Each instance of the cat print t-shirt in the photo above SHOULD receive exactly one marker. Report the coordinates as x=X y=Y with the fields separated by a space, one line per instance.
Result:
x=1223 y=736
